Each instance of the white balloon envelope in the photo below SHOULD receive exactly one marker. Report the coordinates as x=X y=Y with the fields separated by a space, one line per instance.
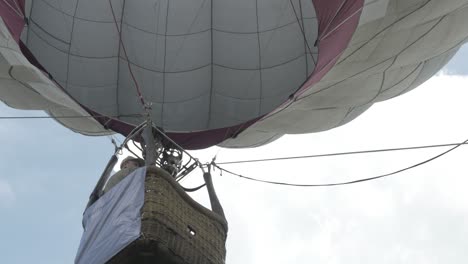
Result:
x=233 y=73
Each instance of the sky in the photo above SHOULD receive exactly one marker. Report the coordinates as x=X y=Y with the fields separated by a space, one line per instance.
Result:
x=419 y=216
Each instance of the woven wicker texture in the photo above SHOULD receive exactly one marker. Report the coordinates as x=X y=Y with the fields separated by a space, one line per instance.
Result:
x=175 y=228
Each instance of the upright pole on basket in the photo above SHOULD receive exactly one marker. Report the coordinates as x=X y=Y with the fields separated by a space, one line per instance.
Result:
x=150 y=143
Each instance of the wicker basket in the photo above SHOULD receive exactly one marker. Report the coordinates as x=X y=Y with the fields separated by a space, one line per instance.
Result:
x=175 y=228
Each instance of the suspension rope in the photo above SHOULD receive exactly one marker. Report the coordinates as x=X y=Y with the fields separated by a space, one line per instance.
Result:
x=346 y=182
x=16 y=8
x=129 y=150
x=193 y=189
x=67 y=117
x=342 y=153
x=114 y=142
x=142 y=100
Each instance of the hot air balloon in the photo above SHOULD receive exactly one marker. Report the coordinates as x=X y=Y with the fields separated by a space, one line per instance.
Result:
x=232 y=73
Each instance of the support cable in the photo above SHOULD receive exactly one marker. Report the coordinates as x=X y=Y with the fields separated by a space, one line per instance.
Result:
x=133 y=153
x=245 y=161
x=142 y=100
x=193 y=189
x=346 y=182
x=67 y=117
x=15 y=8
x=342 y=153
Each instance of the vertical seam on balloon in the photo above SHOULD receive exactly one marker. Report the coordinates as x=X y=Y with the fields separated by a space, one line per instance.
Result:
x=71 y=42
x=406 y=77
x=422 y=64
x=305 y=39
x=137 y=87
x=212 y=70
x=179 y=50
x=259 y=60
x=29 y=26
x=350 y=110
x=27 y=15
x=302 y=31
x=382 y=82
x=117 y=93
x=26 y=12
x=225 y=138
x=157 y=36
x=164 y=65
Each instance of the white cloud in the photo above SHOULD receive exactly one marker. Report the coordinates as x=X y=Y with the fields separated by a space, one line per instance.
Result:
x=420 y=216
x=7 y=195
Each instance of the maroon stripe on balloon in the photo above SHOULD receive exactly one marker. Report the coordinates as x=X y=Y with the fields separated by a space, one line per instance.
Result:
x=12 y=13
x=188 y=140
x=338 y=20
